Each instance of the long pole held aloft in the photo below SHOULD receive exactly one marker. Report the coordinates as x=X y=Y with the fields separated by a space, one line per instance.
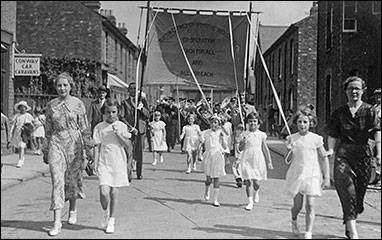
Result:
x=248 y=50
x=144 y=49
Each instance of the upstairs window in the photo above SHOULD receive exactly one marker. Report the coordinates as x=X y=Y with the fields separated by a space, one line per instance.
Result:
x=349 y=23
x=329 y=25
x=376 y=7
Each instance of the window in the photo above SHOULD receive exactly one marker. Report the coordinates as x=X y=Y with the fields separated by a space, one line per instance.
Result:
x=328 y=97
x=291 y=60
x=376 y=7
x=115 y=54
x=106 y=48
x=329 y=25
x=4 y=77
x=349 y=23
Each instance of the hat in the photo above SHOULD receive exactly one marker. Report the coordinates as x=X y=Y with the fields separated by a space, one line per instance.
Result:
x=102 y=89
x=22 y=103
x=378 y=90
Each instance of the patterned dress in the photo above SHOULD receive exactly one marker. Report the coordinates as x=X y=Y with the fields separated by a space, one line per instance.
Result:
x=18 y=122
x=65 y=122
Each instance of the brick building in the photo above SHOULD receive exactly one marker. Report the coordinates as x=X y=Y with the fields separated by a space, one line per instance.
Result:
x=8 y=38
x=79 y=30
x=349 y=39
x=291 y=59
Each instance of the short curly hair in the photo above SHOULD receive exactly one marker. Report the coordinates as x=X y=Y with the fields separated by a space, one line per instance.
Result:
x=109 y=103
x=66 y=76
x=352 y=79
x=254 y=115
x=310 y=113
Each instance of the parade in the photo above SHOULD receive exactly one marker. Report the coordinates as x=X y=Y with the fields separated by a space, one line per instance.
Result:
x=194 y=128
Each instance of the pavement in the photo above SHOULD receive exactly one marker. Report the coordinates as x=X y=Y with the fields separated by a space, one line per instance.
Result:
x=172 y=201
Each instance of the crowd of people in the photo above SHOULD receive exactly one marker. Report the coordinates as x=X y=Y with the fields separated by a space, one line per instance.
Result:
x=113 y=134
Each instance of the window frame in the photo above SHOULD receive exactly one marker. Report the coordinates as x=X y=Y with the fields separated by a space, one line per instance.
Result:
x=344 y=18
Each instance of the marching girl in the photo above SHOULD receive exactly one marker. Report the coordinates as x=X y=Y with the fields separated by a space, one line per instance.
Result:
x=110 y=137
x=191 y=139
x=158 y=138
x=214 y=141
x=304 y=177
x=255 y=154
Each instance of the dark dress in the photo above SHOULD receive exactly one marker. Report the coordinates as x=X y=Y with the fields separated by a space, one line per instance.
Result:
x=352 y=165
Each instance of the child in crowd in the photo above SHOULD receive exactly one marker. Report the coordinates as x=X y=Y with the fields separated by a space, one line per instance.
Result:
x=191 y=139
x=110 y=137
x=38 y=133
x=227 y=128
x=158 y=138
x=22 y=121
x=236 y=166
x=304 y=176
x=214 y=141
x=255 y=155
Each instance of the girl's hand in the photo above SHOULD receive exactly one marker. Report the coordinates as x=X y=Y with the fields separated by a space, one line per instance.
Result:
x=270 y=165
x=326 y=183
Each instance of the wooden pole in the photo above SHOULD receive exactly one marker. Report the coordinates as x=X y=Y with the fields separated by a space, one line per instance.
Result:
x=144 y=50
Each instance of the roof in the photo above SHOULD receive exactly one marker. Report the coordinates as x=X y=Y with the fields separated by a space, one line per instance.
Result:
x=269 y=34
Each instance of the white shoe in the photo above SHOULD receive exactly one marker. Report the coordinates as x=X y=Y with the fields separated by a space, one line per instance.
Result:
x=188 y=170
x=161 y=159
x=194 y=167
x=20 y=163
x=56 y=229
x=216 y=204
x=295 y=229
x=308 y=235
x=256 y=199
x=249 y=207
x=110 y=226
x=72 y=217
x=154 y=163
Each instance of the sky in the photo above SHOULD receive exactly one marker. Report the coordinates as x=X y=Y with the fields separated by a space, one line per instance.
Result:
x=279 y=13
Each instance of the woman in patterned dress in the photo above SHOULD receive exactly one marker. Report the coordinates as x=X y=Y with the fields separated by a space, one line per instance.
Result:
x=67 y=132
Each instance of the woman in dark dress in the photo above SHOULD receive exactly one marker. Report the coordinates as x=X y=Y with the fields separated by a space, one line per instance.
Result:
x=350 y=128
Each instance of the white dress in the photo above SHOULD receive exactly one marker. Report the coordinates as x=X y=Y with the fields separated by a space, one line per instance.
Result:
x=228 y=128
x=18 y=122
x=159 y=143
x=213 y=156
x=304 y=174
x=191 y=137
x=112 y=169
x=253 y=164
x=39 y=130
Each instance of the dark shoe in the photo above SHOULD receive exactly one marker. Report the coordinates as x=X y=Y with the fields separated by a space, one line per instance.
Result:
x=130 y=179
x=139 y=177
x=239 y=182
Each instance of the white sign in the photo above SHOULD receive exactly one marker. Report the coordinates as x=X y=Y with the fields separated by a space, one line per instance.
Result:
x=27 y=65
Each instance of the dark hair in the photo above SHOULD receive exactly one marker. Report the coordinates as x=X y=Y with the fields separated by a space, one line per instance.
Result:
x=109 y=103
x=352 y=79
x=253 y=115
x=310 y=113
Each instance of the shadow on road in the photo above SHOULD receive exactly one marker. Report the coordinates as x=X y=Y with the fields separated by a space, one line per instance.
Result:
x=191 y=201
x=255 y=232
x=41 y=226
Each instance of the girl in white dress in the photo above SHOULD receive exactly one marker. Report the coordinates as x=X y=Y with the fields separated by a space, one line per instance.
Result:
x=191 y=134
x=110 y=137
x=255 y=154
x=304 y=175
x=214 y=141
x=38 y=134
x=158 y=138
x=19 y=121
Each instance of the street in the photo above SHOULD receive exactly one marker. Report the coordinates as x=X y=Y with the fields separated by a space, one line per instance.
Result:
x=168 y=203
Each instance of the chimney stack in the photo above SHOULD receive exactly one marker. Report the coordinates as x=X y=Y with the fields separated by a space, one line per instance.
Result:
x=122 y=28
x=314 y=8
x=111 y=17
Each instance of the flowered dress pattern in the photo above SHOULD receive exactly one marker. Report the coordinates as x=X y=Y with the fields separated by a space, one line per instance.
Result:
x=304 y=174
x=159 y=143
x=112 y=163
x=253 y=164
x=213 y=156
x=65 y=121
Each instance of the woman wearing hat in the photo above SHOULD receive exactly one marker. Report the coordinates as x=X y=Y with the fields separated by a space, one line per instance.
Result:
x=67 y=135
x=20 y=121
